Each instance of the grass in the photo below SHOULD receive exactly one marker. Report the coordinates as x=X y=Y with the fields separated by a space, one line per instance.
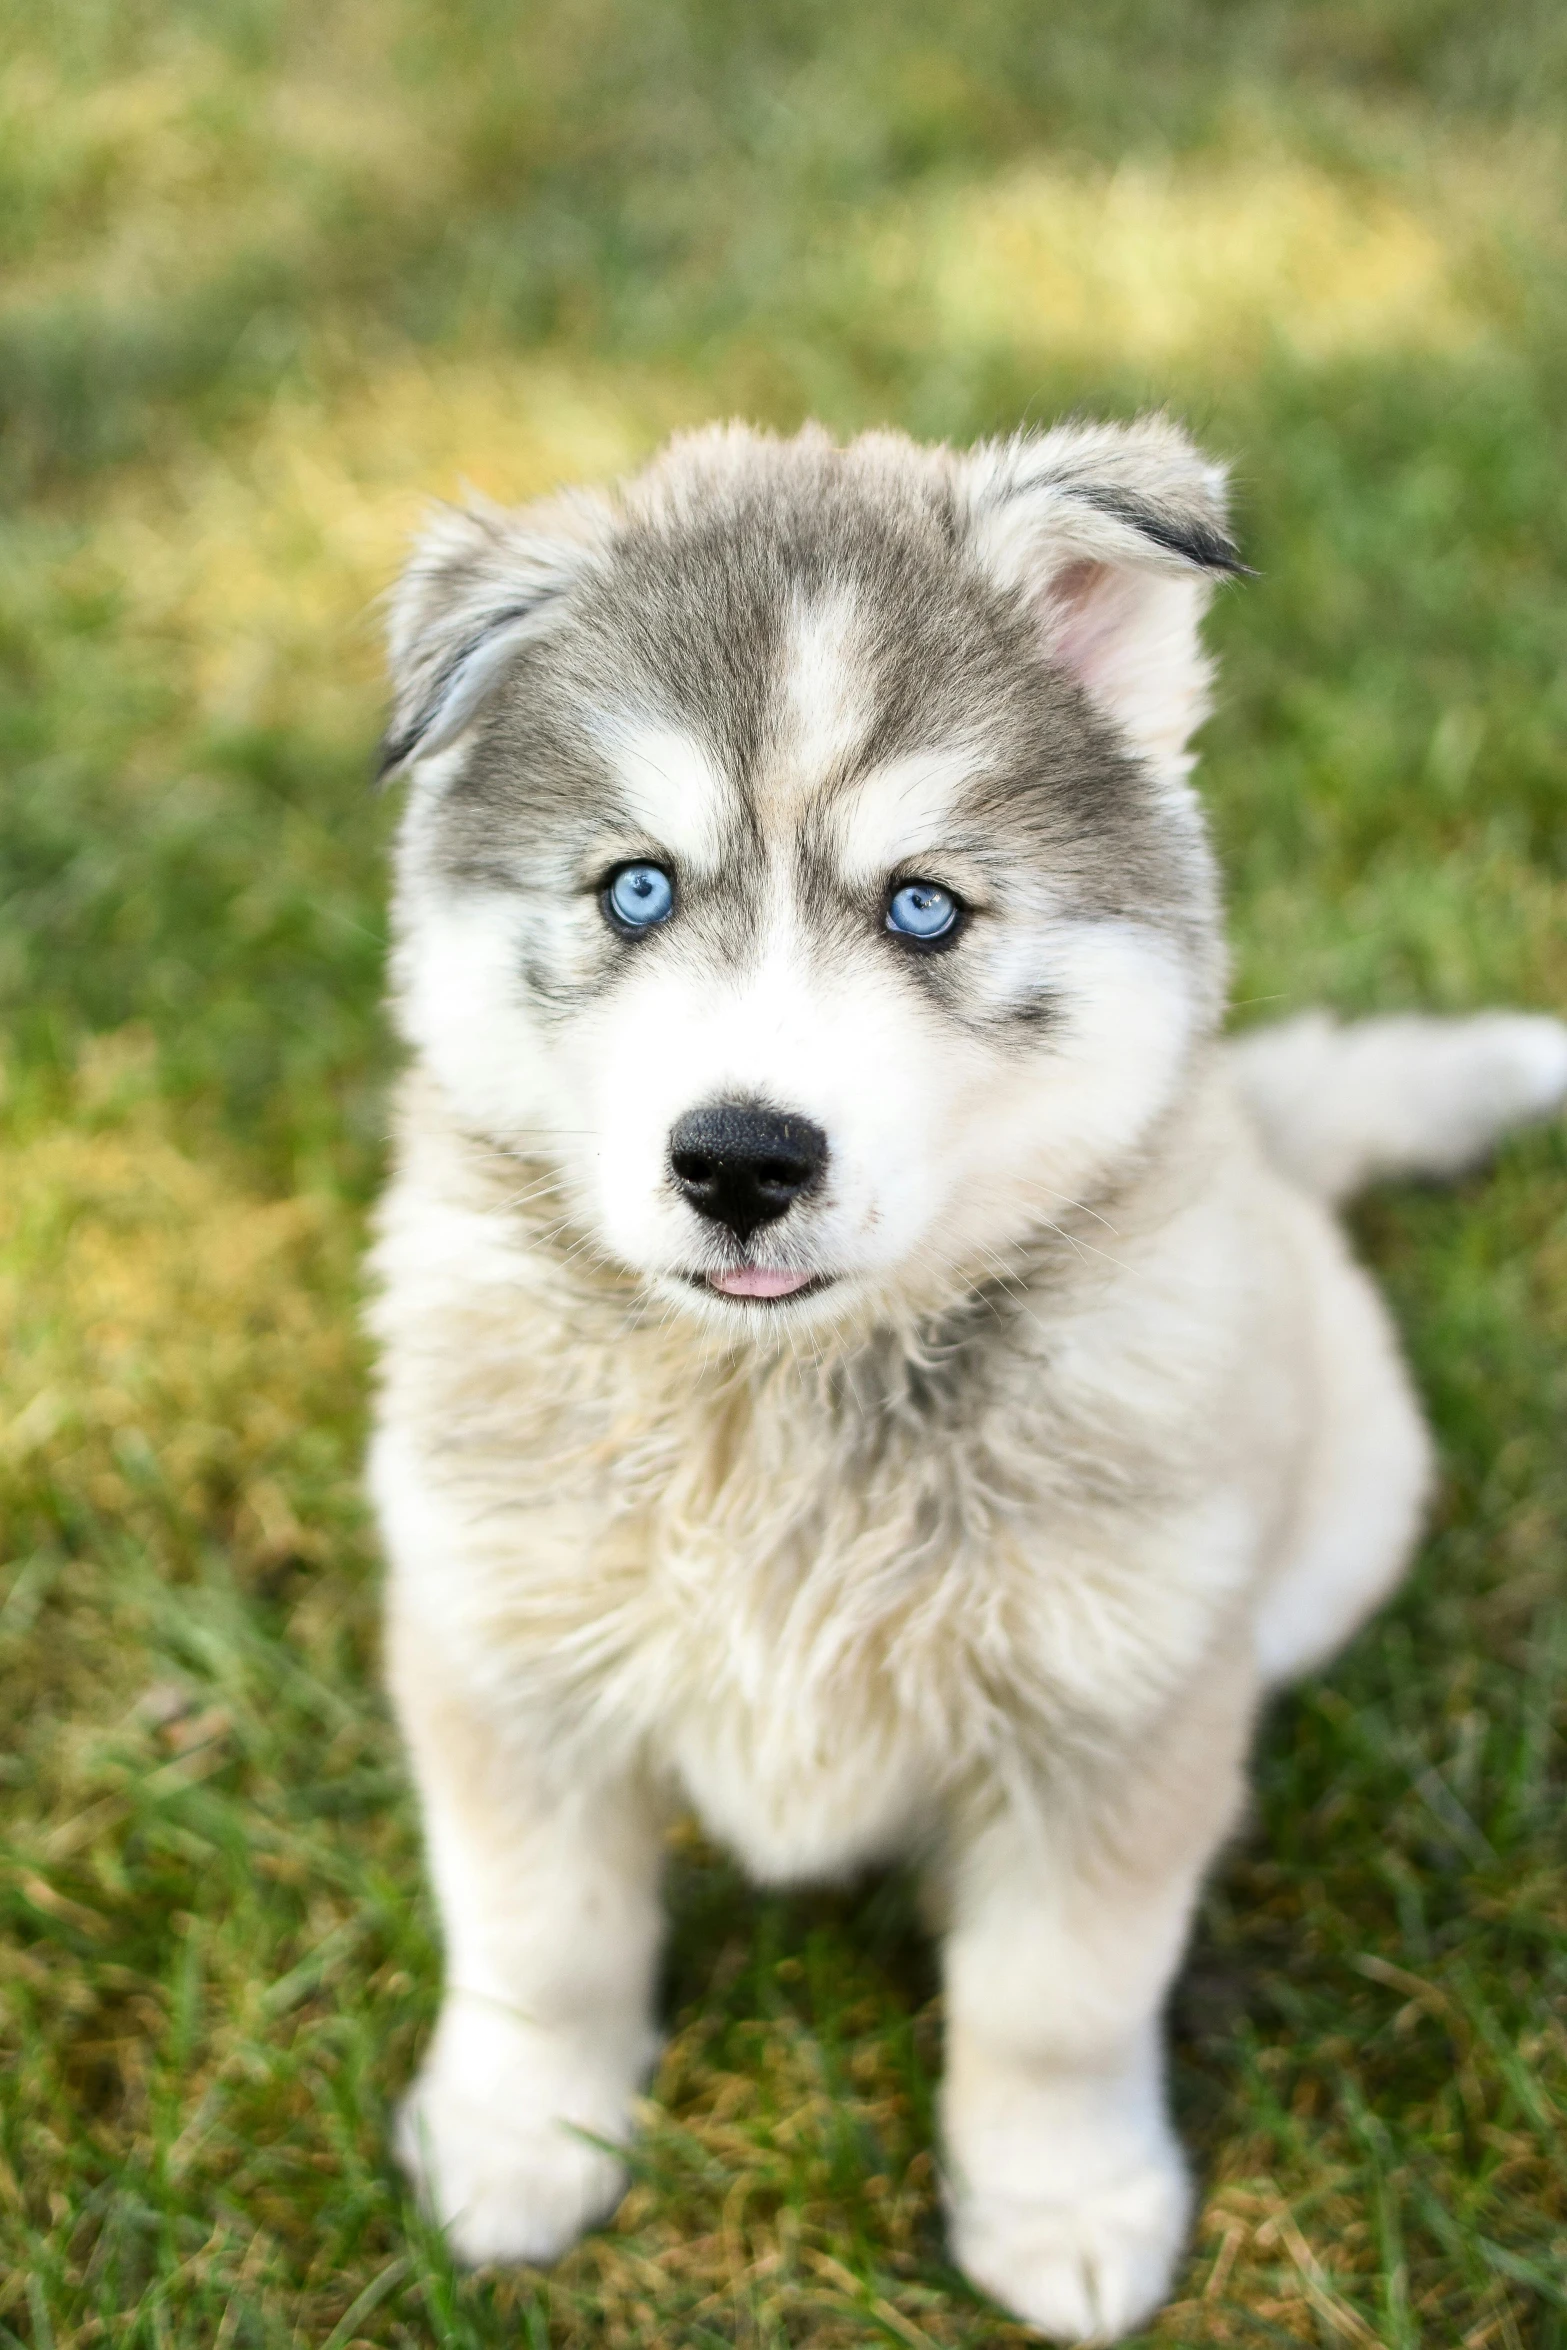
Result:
x=275 y=274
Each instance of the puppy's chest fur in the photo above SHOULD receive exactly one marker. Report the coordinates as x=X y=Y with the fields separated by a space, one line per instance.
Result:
x=814 y=1595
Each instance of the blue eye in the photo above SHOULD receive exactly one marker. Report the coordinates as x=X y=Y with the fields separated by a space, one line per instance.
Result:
x=640 y=896
x=921 y=911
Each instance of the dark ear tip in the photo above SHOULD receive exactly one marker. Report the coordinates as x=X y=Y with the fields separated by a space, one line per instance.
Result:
x=390 y=753
x=1204 y=545
x=1194 y=538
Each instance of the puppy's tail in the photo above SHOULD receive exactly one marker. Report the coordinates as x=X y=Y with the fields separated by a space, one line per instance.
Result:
x=1339 y=1107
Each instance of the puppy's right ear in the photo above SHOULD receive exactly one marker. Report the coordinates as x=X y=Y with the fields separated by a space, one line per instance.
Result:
x=1112 y=537
x=484 y=581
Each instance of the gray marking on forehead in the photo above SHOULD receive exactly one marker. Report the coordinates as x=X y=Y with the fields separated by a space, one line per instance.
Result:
x=703 y=605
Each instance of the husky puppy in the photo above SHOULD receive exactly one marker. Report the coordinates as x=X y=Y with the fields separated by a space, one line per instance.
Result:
x=861 y=1359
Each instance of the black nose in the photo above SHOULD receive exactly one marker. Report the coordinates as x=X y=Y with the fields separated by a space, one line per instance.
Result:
x=744 y=1166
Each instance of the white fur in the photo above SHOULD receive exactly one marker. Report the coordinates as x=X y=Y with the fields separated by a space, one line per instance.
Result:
x=670 y=788
x=1340 y=1107
x=823 y=688
x=651 y=1548
x=902 y=811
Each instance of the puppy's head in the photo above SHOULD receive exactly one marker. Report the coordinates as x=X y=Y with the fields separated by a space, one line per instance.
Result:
x=799 y=855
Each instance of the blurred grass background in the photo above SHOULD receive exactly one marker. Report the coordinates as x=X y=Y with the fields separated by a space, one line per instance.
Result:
x=271 y=275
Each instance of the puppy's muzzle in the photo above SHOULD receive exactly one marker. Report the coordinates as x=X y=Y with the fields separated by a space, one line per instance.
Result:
x=744 y=1167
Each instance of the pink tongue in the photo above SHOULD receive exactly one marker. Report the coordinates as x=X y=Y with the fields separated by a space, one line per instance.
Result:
x=753 y=1282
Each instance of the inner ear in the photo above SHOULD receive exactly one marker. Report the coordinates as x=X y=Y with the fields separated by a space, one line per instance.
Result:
x=1081 y=612
x=1129 y=638
x=1096 y=619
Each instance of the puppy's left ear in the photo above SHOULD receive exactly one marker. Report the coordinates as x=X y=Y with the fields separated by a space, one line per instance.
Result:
x=1114 y=537
x=484 y=582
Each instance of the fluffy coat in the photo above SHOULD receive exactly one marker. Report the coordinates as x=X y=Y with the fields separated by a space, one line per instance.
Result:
x=964 y=1509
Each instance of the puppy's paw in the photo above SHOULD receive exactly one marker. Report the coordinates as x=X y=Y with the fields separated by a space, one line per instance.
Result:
x=1089 y=2269
x=491 y=2137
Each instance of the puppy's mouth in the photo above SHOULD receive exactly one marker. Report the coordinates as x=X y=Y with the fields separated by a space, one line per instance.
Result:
x=760 y=1284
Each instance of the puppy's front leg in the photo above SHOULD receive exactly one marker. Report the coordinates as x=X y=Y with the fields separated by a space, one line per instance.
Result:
x=548 y=1894
x=1067 y=2189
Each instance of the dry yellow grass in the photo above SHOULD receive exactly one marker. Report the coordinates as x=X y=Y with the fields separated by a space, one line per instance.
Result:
x=253 y=570
x=168 y=1336
x=1201 y=265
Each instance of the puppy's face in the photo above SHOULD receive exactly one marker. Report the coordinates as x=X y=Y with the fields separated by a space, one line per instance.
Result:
x=799 y=859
